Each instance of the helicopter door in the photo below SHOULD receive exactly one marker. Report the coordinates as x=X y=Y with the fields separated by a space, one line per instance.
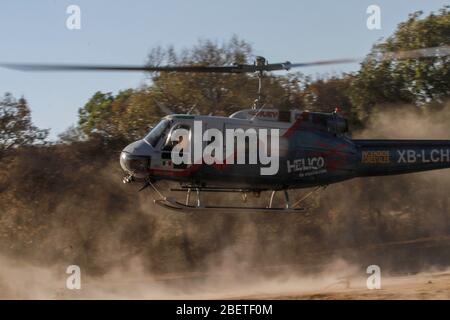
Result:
x=166 y=150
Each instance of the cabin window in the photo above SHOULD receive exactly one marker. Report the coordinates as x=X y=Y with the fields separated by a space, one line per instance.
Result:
x=169 y=144
x=157 y=132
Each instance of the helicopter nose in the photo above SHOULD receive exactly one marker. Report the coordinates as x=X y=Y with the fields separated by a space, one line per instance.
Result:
x=135 y=159
x=136 y=165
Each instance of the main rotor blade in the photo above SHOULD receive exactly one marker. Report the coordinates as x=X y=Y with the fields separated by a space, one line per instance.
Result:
x=417 y=53
x=242 y=68
x=399 y=55
x=80 y=67
x=322 y=62
x=236 y=68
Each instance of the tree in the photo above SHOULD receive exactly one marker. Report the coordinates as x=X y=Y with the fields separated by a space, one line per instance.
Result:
x=95 y=117
x=419 y=82
x=325 y=95
x=128 y=115
x=16 y=128
x=220 y=94
x=70 y=135
x=123 y=117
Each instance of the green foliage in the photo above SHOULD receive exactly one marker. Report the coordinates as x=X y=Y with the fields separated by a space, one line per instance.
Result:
x=125 y=116
x=95 y=117
x=409 y=81
x=16 y=128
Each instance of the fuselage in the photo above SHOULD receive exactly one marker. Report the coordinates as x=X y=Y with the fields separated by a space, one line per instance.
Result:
x=313 y=150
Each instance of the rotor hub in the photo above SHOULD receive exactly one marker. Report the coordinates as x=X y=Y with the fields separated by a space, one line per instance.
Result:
x=260 y=61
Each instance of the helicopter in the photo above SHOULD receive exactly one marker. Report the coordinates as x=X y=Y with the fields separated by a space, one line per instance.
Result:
x=300 y=148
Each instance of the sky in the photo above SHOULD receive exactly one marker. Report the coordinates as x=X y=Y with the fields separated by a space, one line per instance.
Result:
x=124 y=31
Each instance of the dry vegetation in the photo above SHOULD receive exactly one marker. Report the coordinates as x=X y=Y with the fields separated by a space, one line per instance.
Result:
x=65 y=204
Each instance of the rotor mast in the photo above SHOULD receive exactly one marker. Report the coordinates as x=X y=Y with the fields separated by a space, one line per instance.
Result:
x=260 y=63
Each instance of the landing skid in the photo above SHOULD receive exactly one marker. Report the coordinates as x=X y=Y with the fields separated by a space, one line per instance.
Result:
x=174 y=205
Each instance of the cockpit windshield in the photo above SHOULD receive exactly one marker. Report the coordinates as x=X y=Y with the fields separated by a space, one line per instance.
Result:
x=155 y=134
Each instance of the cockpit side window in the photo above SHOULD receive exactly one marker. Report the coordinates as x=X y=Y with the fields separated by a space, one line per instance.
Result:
x=169 y=144
x=157 y=132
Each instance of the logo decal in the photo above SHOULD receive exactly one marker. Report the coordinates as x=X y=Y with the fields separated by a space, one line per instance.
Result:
x=376 y=157
x=307 y=166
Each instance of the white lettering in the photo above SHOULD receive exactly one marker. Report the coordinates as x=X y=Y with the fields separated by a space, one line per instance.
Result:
x=238 y=142
x=374 y=20
x=373 y=281
x=73 y=22
x=73 y=282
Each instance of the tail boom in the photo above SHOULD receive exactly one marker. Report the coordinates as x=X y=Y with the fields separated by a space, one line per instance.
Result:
x=390 y=157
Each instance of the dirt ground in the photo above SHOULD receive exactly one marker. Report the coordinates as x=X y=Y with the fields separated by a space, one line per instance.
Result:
x=341 y=282
x=421 y=286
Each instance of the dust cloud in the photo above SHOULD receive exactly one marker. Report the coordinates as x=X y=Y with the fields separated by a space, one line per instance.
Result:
x=20 y=280
x=64 y=204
